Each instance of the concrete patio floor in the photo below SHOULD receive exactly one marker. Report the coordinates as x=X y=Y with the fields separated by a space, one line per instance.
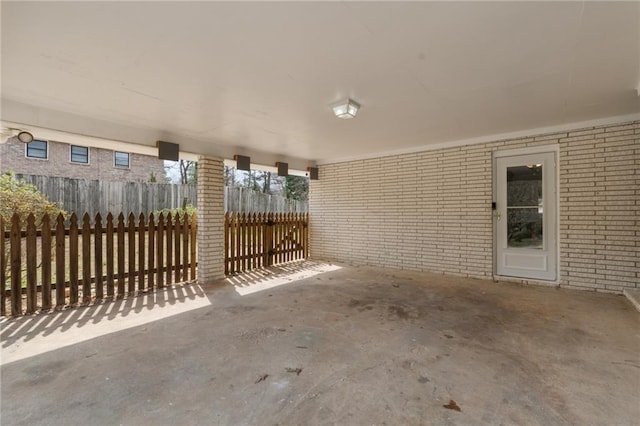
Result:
x=320 y=344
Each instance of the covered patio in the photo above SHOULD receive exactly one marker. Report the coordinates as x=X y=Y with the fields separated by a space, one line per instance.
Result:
x=318 y=343
x=496 y=145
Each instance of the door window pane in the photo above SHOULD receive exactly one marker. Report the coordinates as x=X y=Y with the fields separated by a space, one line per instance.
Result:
x=524 y=228
x=524 y=185
x=524 y=206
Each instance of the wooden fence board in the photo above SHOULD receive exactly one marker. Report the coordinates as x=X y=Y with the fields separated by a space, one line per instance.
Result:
x=110 y=257
x=160 y=251
x=169 y=261
x=131 y=251
x=31 y=264
x=97 y=241
x=177 y=229
x=193 y=240
x=3 y=274
x=16 y=265
x=185 y=248
x=152 y=251
x=73 y=260
x=121 y=252
x=60 y=264
x=86 y=258
x=142 y=244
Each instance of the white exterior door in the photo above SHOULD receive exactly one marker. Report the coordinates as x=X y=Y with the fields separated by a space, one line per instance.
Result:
x=525 y=216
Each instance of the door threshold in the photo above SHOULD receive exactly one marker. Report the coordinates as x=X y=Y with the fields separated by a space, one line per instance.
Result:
x=520 y=280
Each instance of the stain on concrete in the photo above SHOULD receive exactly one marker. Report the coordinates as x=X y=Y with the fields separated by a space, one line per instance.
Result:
x=452 y=405
x=423 y=379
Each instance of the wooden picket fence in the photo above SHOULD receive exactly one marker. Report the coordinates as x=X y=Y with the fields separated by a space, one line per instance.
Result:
x=256 y=240
x=122 y=257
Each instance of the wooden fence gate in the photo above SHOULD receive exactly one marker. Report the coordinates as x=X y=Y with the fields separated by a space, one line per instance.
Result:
x=256 y=240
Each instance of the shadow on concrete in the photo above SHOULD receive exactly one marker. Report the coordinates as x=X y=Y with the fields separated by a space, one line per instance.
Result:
x=137 y=310
x=267 y=278
x=47 y=331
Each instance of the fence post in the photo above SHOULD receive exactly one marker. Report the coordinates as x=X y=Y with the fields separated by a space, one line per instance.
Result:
x=185 y=247
x=31 y=264
x=226 y=243
x=73 y=260
x=110 y=250
x=141 y=251
x=46 y=262
x=131 y=247
x=97 y=238
x=60 y=261
x=268 y=244
x=160 y=251
x=3 y=274
x=16 y=266
x=152 y=251
x=177 y=229
x=120 y=255
x=193 y=247
x=169 y=249
x=305 y=230
x=254 y=243
x=86 y=258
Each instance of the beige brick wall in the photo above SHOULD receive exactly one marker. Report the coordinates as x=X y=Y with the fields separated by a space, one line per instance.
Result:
x=210 y=219
x=431 y=211
x=100 y=167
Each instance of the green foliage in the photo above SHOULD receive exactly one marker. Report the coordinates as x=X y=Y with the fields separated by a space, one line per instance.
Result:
x=296 y=188
x=188 y=210
x=23 y=198
x=192 y=173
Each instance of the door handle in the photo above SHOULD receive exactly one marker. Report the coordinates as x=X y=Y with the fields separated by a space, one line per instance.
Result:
x=497 y=215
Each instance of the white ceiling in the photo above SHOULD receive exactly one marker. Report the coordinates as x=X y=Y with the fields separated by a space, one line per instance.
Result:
x=259 y=78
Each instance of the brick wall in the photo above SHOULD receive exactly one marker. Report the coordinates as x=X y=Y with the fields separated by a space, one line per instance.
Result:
x=210 y=219
x=100 y=167
x=431 y=211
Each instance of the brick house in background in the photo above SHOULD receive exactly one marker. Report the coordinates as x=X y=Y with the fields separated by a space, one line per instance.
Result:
x=49 y=158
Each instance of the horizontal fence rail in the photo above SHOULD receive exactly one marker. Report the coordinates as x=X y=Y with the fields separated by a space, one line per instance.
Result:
x=256 y=240
x=55 y=258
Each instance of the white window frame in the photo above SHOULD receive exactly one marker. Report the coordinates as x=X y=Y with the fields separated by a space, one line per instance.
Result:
x=128 y=166
x=80 y=162
x=26 y=150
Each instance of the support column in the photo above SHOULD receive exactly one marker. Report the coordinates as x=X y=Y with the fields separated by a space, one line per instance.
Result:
x=210 y=219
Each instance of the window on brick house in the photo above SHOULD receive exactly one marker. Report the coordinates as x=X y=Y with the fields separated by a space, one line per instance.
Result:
x=79 y=154
x=121 y=159
x=37 y=149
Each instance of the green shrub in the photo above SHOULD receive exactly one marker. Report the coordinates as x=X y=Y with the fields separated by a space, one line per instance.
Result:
x=23 y=198
x=187 y=210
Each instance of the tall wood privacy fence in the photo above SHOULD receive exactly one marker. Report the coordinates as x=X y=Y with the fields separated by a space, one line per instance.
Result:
x=254 y=240
x=77 y=263
x=238 y=199
x=93 y=196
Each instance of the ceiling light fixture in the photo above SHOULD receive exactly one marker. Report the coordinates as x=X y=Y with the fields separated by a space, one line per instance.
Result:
x=25 y=137
x=346 y=110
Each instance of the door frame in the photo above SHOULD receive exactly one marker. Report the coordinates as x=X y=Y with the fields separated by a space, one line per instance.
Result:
x=543 y=149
